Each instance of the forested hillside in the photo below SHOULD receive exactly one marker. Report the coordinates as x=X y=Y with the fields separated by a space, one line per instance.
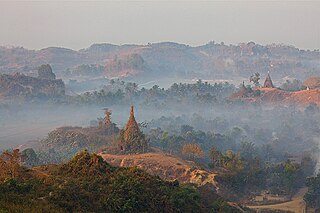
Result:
x=88 y=184
x=166 y=60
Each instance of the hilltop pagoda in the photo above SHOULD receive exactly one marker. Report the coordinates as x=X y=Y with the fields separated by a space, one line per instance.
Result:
x=268 y=82
x=131 y=138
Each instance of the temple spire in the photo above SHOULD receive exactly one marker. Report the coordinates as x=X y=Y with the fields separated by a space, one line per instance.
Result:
x=131 y=139
x=132 y=127
x=131 y=111
x=268 y=82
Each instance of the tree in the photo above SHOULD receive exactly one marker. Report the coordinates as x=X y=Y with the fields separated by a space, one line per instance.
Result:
x=232 y=161
x=216 y=157
x=291 y=174
x=29 y=157
x=294 y=85
x=45 y=71
x=255 y=79
x=10 y=164
x=247 y=150
x=185 y=129
x=312 y=197
x=107 y=117
x=192 y=151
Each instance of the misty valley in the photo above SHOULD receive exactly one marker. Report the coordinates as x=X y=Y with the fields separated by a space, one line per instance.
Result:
x=117 y=145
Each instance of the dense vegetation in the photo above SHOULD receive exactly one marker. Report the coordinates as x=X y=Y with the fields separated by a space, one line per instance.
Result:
x=312 y=197
x=61 y=144
x=85 y=70
x=248 y=168
x=245 y=167
x=119 y=92
x=251 y=147
x=88 y=184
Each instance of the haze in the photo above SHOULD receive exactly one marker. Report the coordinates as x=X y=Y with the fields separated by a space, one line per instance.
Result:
x=77 y=25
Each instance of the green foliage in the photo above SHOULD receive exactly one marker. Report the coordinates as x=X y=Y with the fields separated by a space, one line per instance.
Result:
x=187 y=198
x=294 y=85
x=247 y=150
x=221 y=206
x=63 y=143
x=88 y=184
x=284 y=178
x=45 y=71
x=118 y=92
x=312 y=197
x=29 y=157
x=255 y=79
x=84 y=163
x=173 y=142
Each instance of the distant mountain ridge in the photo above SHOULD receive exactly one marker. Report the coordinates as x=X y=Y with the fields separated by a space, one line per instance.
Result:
x=169 y=60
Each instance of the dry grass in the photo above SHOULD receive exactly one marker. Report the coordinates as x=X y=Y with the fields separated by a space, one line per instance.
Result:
x=165 y=166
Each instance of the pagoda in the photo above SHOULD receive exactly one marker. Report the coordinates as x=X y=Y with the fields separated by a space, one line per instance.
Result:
x=131 y=138
x=268 y=82
x=132 y=129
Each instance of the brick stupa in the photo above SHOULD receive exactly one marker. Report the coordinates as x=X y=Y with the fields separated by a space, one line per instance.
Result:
x=268 y=82
x=132 y=128
x=131 y=139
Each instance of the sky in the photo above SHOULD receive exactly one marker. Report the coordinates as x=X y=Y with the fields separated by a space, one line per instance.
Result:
x=77 y=25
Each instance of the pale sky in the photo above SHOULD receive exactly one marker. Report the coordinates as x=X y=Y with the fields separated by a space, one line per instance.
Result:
x=77 y=25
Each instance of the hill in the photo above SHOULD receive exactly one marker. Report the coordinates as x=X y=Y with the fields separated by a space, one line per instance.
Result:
x=88 y=184
x=269 y=96
x=312 y=82
x=19 y=85
x=62 y=143
x=167 y=167
x=169 y=60
x=299 y=98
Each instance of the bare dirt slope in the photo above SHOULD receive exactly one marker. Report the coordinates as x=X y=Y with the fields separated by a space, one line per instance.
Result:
x=276 y=96
x=165 y=166
x=296 y=205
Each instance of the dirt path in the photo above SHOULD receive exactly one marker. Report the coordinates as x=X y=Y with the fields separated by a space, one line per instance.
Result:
x=296 y=205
